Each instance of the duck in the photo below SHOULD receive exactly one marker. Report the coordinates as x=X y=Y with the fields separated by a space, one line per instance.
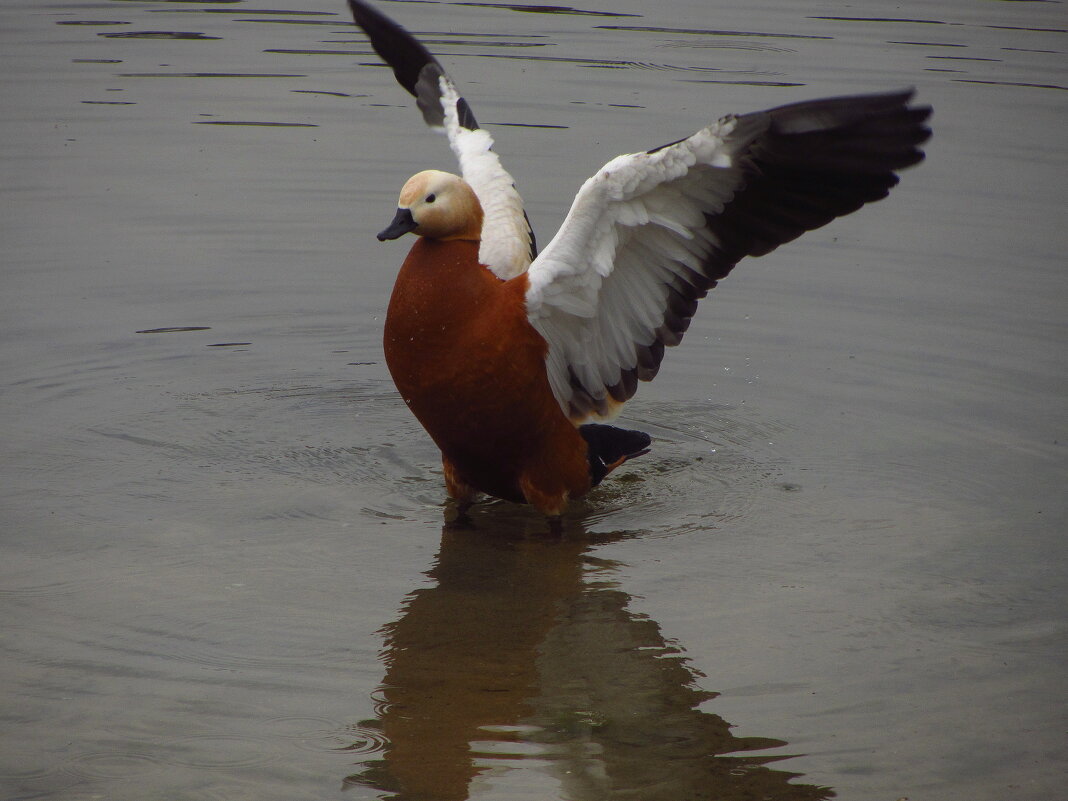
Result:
x=514 y=360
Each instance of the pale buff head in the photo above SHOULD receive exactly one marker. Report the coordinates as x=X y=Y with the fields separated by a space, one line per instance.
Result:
x=437 y=205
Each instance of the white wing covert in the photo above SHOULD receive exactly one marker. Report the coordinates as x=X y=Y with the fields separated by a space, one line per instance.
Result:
x=508 y=243
x=652 y=232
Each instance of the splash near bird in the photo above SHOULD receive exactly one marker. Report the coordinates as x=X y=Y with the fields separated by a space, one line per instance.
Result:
x=507 y=356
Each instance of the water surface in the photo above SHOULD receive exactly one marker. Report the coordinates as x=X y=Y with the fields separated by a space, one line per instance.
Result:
x=224 y=570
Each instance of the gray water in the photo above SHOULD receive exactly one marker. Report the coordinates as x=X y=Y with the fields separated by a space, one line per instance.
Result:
x=223 y=568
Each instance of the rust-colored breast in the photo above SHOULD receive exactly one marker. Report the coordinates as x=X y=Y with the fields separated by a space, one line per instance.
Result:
x=472 y=370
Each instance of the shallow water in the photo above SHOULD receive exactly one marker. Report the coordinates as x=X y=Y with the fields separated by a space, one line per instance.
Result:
x=224 y=572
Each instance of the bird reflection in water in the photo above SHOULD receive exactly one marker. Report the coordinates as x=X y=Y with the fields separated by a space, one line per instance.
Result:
x=524 y=651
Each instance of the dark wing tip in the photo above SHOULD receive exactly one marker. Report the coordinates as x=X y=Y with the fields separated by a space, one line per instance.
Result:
x=875 y=133
x=813 y=161
x=398 y=48
x=812 y=115
x=412 y=64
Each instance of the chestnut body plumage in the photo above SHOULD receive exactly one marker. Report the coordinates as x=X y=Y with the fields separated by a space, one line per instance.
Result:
x=472 y=370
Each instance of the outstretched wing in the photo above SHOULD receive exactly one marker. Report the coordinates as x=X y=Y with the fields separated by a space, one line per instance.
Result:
x=507 y=240
x=652 y=232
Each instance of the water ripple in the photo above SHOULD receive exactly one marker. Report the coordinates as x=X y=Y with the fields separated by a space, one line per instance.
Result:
x=710 y=32
x=311 y=733
x=194 y=35
x=19 y=765
x=1013 y=83
x=548 y=9
x=380 y=704
x=208 y=75
x=218 y=751
x=702 y=45
x=111 y=765
x=364 y=740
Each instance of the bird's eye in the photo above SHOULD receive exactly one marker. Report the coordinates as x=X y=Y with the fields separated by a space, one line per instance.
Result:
x=431 y=198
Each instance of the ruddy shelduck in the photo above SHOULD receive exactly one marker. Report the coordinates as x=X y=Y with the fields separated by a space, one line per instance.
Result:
x=506 y=356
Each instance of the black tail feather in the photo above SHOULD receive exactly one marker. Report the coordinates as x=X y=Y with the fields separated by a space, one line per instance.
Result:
x=609 y=447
